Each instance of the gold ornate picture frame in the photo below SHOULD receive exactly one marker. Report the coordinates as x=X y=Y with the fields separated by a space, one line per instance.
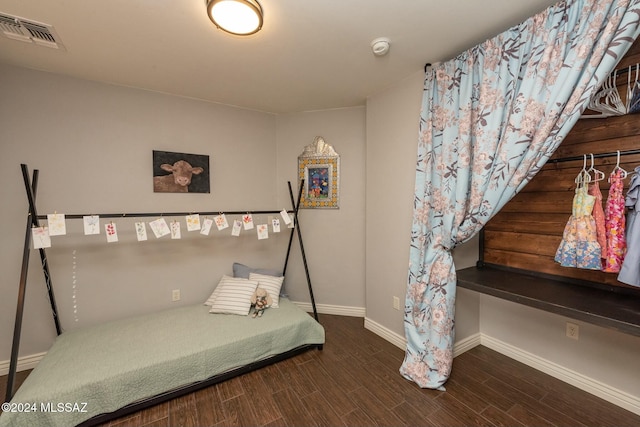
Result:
x=319 y=167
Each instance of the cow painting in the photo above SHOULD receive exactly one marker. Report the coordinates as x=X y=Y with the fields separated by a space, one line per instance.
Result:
x=178 y=180
x=180 y=173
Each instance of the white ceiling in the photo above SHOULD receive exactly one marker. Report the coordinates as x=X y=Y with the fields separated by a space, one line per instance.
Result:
x=309 y=55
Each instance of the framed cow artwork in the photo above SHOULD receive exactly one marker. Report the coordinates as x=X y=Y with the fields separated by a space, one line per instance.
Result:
x=180 y=172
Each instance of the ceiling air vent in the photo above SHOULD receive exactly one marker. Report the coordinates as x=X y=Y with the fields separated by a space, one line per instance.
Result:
x=17 y=28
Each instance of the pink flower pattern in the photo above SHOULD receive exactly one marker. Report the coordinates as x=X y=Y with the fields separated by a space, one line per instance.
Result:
x=615 y=225
x=598 y=217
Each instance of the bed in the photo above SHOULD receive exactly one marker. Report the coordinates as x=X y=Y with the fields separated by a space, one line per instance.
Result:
x=90 y=374
x=96 y=374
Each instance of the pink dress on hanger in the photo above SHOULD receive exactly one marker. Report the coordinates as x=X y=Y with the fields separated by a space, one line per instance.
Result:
x=615 y=224
x=598 y=217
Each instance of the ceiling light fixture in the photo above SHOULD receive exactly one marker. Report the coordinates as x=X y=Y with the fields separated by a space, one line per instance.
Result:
x=239 y=17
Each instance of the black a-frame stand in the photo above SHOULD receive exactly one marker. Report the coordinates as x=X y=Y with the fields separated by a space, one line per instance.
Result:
x=33 y=221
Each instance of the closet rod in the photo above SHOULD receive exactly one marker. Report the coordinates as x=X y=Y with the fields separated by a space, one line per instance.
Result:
x=624 y=70
x=595 y=156
x=163 y=214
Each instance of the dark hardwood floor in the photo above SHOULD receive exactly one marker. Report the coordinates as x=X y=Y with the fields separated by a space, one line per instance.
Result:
x=354 y=381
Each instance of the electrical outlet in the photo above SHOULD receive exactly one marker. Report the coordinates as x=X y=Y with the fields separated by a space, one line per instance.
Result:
x=573 y=331
x=396 y=303
x=175 y=295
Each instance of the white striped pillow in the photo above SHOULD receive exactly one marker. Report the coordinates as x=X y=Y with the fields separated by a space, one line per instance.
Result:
x=271 y=283
x=233 y=296
x=224 y=279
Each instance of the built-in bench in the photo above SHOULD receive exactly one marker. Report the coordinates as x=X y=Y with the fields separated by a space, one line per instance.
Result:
x=600 y=305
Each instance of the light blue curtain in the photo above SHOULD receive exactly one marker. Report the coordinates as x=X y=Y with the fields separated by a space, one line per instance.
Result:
x=490 y=120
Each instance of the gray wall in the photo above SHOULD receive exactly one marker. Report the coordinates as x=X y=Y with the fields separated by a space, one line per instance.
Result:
x=93 y=144
x=333 y=238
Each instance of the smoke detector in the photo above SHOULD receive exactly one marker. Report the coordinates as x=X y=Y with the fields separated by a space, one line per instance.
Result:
x=380 y=46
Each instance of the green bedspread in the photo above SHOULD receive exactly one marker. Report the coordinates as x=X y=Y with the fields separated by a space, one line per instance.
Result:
x=100 y=369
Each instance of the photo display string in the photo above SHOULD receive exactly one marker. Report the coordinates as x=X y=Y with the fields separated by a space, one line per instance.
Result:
x=56 y=226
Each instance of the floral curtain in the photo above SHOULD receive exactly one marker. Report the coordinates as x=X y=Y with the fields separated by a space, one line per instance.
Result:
x=490 y=120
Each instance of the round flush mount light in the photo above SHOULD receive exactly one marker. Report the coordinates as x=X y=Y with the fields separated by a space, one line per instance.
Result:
x=380 y=46
x=239 y=17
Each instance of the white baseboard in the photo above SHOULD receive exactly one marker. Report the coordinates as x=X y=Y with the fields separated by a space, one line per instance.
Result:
x=338 y=310
x=583 y=382
x=394 y=338
x=466 y=344
x=399 y=341
x=24 y=363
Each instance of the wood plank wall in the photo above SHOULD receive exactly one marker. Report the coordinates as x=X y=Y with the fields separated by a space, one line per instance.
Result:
x=527 y=231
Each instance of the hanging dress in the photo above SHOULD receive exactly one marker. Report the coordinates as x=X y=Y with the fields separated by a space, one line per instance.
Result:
x=579 y=246
x=630 y=270
x=615 y=224
x=598 y=217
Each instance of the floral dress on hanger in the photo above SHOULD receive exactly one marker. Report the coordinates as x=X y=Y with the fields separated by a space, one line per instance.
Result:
x=598 y=217
x=615 y=224
x=579 y=246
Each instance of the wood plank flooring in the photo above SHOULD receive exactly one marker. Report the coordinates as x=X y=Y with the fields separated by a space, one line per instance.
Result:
x=354 y=381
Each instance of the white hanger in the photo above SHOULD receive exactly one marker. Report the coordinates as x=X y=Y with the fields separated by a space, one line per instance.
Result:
x=598 y=175
x=615 y=99
x=630 y=88
x=607 y=100
x=613 y=102
x=583 y=177
x=633 y=93
x=618 y=168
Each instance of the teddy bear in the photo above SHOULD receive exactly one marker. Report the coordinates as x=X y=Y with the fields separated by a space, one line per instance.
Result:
x=260 y=300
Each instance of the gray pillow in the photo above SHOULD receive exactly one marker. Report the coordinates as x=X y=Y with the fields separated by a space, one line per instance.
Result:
x=241 y=270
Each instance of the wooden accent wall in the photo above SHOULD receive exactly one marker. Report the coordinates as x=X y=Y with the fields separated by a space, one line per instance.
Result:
x=527 y=231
